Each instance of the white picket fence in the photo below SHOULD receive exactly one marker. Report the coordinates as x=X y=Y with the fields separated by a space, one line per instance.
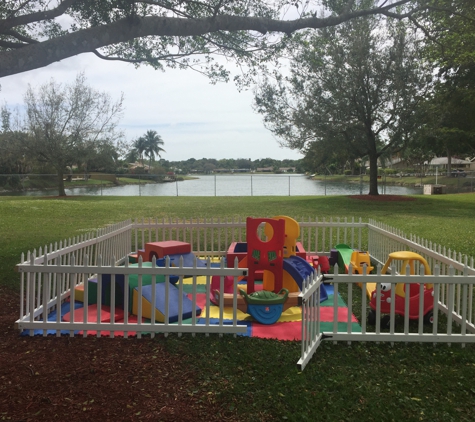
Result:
x=453 y=279
x=47 y=287
x=49 y=276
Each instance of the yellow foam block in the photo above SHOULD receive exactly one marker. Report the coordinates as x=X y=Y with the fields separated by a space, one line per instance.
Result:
x=199 y=280
x=291 y=314
x=146 y=308
x=79 y=292
x=227 y=313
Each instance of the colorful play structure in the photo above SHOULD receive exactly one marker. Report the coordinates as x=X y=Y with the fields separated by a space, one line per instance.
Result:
x=277 y=267
x=272 y=255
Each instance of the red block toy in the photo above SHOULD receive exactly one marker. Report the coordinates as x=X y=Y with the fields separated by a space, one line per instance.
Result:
x=162 y=249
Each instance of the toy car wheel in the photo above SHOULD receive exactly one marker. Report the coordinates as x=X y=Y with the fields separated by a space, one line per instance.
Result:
x=429 y=318
x=385 y=320
x=371 y=317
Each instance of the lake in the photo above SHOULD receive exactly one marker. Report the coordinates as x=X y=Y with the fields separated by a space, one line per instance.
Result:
x=237 y=185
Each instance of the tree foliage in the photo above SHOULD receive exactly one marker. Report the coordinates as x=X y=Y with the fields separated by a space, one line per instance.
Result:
x=152 y=142
x=174 y=33
x=449 y=118
x=352 y=89
x=148 y=145
x=450 y=33
x=69 y=124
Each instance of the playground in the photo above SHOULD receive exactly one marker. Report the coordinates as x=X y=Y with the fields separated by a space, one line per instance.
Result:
x=354 y=370
x=267 y=296
x=265 y=277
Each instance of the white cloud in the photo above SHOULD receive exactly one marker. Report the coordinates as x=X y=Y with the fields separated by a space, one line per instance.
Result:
x=194 y=118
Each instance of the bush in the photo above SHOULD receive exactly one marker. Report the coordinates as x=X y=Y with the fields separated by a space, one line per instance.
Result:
x=11 y=182
x=347 y=172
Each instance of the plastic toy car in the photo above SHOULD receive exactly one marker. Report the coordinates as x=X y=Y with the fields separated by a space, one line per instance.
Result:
x=408 y=259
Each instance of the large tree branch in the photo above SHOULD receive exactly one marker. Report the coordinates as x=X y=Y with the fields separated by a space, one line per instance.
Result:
x=12 y=22
x=21 y=37
x=90 y=39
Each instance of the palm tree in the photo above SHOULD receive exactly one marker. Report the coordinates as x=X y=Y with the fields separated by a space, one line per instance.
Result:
x=140 y=146
x=153 y=145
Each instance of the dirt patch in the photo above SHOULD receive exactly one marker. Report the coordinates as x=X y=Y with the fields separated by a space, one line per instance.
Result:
x=383 y=198
x=78 y=379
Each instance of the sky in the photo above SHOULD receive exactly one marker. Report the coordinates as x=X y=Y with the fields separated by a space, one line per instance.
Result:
x=194 y=118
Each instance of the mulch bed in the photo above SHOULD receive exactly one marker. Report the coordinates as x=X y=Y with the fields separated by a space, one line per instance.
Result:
x=76 y=379
x=383 y=198
x=103 y=379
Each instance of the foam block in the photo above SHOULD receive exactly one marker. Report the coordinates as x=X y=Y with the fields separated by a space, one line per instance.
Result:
x=91 y=292
x=92 y=314
x=162 y=249
x=133 y=258
x=158 y=302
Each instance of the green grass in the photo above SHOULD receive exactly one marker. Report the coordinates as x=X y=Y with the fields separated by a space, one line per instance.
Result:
x=258 y=378
x=361 y=382
x=453 y=184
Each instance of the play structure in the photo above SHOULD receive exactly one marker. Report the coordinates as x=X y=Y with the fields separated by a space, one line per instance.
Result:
x=277 y=268
x=359 y=261
x=272 y=255
x=409 y=265
x=345 y=256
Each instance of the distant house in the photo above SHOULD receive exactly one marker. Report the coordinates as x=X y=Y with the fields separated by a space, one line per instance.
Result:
x=134 y=166
x=287 y=169
x=265 y=169
x=442 y=163
x=394 y=162
x=397 y=163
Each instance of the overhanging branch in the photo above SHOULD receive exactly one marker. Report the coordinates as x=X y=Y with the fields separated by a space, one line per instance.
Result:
x=89 y=40
x=12 y=22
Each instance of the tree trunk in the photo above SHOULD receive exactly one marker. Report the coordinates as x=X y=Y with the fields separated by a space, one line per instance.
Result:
x=61 y=191
x=373 y=174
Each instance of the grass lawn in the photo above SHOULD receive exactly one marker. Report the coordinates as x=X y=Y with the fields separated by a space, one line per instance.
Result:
x=257 y=379
x=453 y=184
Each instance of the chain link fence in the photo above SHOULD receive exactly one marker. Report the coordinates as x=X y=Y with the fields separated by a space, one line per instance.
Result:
x=99 y=184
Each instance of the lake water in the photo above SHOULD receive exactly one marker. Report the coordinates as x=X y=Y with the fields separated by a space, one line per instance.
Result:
x=237 y=185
